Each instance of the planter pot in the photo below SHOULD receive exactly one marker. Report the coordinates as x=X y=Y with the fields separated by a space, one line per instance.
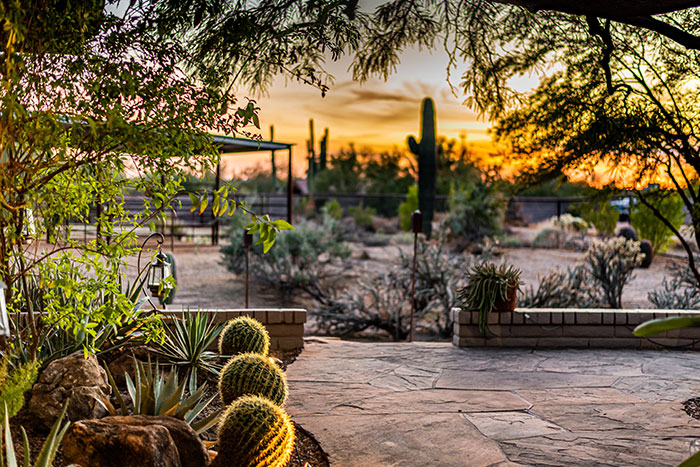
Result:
x=509 y=303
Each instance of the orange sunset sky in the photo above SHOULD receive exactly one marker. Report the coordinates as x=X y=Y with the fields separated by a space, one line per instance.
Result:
x=378 y=114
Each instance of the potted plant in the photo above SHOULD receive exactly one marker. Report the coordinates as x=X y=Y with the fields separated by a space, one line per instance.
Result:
x=490 y=288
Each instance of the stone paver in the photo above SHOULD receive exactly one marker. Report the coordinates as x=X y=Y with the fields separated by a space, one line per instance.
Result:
x=432 y=404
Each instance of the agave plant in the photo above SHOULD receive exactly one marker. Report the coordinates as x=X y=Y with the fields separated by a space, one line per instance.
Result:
x=154 y=393
x=187 y=340
x=48 y=450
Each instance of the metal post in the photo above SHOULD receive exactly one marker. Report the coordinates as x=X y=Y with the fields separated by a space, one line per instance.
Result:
x=215 y=224
x=274 y=166
x=416 y=228
x=290 y=188
x=247 y=242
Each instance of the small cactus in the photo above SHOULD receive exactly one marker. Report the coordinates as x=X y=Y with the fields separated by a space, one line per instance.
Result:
x=254 y=432
x=244 y=335
x=252 y=374
x=426 y=152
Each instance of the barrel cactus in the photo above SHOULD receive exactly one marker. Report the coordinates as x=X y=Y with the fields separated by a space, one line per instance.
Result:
x=252 y=374
x=244 y=335
x=254 y=432
x=426 y=152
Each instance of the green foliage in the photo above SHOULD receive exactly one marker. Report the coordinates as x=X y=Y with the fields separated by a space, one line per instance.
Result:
x=363 y=216
x=255 y=375
x=121 y=98
x=426 y=153
x=244 y=335
x=255 y=432
x=48 y=451
x=14 y=382
x=657 y=326
x=154 y=393
x=558 y=187
x=610 y=264
x=475 y=211
x=294 y=263
x=332 y=209
x=601 y=214
x=408 y=207
x=488 y=284
x=187 y=340
x=573 y=288
x=650 y=227
x=680 y=291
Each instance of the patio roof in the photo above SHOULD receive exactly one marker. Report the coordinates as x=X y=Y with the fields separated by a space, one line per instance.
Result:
x=231 y=145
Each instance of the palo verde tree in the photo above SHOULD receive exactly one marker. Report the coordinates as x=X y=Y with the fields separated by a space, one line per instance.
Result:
x=94 y=103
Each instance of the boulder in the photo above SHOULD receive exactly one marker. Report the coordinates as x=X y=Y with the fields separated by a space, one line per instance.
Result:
x=97 y=444
x=134 y=440
x=628 y=233
x=648 y=251
x=123 y=362
x=80 y=380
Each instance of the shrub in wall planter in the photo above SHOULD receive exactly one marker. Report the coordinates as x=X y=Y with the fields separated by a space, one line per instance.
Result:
x=490 y=288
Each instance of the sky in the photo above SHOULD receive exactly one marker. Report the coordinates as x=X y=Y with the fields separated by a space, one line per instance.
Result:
x=378 y=114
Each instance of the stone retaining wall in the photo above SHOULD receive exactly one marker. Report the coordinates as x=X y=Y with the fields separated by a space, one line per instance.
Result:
x=570 y=327
x=285 y=325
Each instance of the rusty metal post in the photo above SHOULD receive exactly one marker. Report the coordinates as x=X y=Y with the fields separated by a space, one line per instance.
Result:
x=247 y=242
x=416 y=228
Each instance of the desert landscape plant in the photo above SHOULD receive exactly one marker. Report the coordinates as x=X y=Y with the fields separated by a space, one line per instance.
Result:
x=475 y=211
x=244 y=335
x=572 y=288
x=611 y=264
x=252 y=374
x=488 y=284
x=255 y=432
x=649 y=227
x=679 y=289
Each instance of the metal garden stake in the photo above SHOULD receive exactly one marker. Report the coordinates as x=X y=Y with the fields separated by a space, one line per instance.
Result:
x=247 y=242
x=416 y=228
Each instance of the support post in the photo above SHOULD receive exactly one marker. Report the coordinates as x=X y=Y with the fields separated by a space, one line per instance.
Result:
x=247 y=242
x=290 y=188
x=217 y=185
x=416 y=228
x=274 y=166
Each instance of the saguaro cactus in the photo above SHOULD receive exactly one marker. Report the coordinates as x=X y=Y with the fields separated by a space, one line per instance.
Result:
x=426 y=153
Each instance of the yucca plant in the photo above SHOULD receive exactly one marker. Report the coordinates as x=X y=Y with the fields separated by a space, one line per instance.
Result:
x=154 y=393
x=48 y=450
x=186 y=342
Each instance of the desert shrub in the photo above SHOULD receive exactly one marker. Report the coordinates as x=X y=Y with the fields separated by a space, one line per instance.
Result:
x=438 y=277
x=407 y=207
x=14 y=382
x=295 y=262
x=570 y=223
x=680 y=291
x=650 y=227
x=475 y=211
x=550 y=238
x=384 y=301
x=562 y=289
x=361 y=215
x=600 y=214
x=611 y=264
x=332 y=209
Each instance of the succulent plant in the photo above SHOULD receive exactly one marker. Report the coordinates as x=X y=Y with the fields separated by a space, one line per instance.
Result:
x=426 y=152
x=256 y=433
x=487 y=284
x=244 y=335
x=252 y=374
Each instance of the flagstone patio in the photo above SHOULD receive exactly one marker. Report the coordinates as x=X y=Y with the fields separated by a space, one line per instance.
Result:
x=420 y=404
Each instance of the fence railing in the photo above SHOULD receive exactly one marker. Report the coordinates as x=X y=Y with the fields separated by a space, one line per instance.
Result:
x=182 y=221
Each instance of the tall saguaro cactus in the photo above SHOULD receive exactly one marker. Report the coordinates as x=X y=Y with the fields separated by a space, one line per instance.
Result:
x=426 y=153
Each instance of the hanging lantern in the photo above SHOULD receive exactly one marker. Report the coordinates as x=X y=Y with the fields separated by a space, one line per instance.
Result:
x=4 y=321
x=159 y=271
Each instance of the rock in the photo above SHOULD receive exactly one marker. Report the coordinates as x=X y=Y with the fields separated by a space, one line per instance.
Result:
x=76 y=378
x=96 y=443
x=124 y=362
x=90 y=439
x=385 y=226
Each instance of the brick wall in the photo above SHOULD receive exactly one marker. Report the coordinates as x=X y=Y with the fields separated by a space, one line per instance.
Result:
x=286 y=325
x=569 y=327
